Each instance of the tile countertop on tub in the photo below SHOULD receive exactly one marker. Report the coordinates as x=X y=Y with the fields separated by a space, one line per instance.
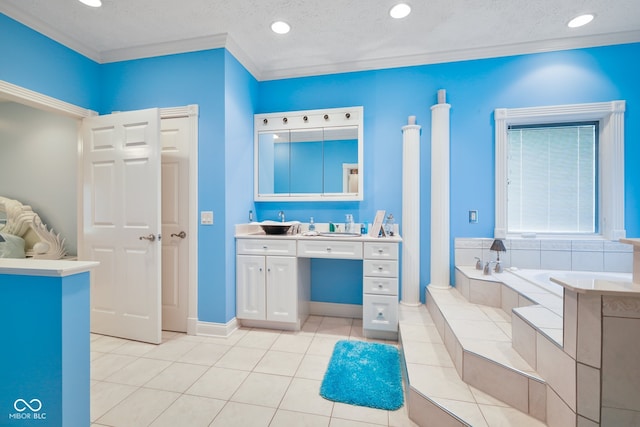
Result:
x=581 y=283
x=253 y=231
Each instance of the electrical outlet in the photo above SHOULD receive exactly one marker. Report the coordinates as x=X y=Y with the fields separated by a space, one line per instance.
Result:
x=206 y=217
x=473 y=217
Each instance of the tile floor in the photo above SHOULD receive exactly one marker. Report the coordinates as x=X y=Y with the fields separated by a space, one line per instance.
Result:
x=255 y=377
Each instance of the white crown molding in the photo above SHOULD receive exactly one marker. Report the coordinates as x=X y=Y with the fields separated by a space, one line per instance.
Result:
x=195 y=44
x=455 y=55
x=242 y=57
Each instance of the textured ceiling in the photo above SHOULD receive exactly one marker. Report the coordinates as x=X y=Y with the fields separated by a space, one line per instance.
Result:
x=326 y=36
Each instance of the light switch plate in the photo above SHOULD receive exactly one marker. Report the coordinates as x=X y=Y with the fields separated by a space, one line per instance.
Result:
x=206 y=217
x=473 y=217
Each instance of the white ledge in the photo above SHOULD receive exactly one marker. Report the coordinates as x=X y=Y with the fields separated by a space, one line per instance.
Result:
x=44 y=267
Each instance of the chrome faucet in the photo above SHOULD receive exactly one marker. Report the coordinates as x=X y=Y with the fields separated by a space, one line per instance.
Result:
x=487 y=268
x=478 y=264
x=281 y=215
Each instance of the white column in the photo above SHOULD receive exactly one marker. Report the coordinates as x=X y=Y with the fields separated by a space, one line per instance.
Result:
x=440 y=232
x=411 y=213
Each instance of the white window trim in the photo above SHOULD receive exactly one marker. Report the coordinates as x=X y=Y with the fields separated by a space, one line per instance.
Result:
x=610 y=116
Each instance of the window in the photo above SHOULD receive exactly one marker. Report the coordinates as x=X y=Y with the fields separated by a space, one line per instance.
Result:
x=551 y=178
x=572 y=185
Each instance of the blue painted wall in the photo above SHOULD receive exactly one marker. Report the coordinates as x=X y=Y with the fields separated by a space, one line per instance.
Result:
x=33 y=61
x=474 y=90
x=228 y=96
x=174 y=80
x=241 y=90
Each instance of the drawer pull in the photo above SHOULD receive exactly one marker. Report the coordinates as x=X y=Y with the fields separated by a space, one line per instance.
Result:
x=265 y=247
x=380 y=286
x=380 y=268
x=328 y=249
x=380 y=250
x=381 y=315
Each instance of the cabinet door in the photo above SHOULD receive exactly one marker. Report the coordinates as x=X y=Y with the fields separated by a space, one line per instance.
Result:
x=282 y=295
x=250 y=287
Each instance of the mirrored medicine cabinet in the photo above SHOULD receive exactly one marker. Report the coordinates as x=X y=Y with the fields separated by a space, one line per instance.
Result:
x=313 y=155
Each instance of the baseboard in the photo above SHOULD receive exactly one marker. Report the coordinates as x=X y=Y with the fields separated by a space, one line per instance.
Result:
x=210 y=329
x=192 y=326
x=335 y=310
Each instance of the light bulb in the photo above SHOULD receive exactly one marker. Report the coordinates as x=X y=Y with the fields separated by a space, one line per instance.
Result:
x=579 y=21
x=400 y=11
x=280 y=27
x=92 y=3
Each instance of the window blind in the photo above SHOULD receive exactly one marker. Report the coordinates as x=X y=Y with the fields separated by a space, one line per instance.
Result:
x=552 y=178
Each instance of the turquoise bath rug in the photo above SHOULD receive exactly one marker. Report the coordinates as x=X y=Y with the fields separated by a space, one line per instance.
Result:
x=364 y=374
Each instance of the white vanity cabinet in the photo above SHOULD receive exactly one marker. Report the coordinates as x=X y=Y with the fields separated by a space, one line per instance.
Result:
x=380 y=289
x=273 y=279
x=271 y=283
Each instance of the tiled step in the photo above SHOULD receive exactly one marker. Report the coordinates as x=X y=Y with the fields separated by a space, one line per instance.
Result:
x=479 y=339
x=436 y=394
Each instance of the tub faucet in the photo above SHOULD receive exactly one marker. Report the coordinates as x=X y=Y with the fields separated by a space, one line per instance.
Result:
x=281 y=215
x=498 y=268
x=478 y=264
x=487 y=268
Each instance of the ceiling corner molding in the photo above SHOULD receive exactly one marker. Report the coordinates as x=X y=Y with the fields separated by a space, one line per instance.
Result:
x=33 y=99
x=166 y=48
x=48 y=31
x=247 y=62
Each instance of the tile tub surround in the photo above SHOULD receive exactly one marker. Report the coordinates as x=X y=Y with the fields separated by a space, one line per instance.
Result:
x=551 y=254
x=584 y=356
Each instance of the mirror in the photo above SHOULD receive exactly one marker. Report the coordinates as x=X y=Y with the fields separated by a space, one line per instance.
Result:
x=313 y=155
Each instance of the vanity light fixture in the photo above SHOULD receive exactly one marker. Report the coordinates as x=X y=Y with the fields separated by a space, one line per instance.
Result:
x=399 y=11
x=280 y=27
x=581 y=20
x=92 y=3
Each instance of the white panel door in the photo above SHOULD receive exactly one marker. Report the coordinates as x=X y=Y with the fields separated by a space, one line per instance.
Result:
x=174 y=137
x=121 y=223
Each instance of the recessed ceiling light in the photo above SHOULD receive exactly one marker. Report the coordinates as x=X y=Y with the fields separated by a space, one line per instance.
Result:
x=579 y=21
x=280 y=27
x=92 y=3
x=400 y=11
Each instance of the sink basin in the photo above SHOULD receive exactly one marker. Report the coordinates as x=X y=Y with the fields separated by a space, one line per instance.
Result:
x=339 y=234
x=277 y=227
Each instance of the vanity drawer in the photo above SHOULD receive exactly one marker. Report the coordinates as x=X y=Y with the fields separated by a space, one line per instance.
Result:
x=380 y=250
x=321 y=248
x=380 y=312
x=380 y=285
x=266 y=247
x=380 y=268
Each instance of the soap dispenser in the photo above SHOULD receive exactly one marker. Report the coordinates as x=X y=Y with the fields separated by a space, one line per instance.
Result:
x=312 y=225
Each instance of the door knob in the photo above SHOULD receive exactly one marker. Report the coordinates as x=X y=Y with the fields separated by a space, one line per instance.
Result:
x=150 y=237
x=181 y=235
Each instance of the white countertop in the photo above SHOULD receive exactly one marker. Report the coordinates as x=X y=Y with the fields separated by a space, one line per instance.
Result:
x=44 y=267
x=253 y=231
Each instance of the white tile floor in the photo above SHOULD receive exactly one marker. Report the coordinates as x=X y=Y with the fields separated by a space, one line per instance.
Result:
x=255 y=377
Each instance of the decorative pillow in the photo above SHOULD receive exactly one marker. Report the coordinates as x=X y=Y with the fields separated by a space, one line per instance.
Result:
x=11 y=246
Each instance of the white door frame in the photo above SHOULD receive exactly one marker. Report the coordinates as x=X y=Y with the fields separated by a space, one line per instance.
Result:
x=37 y=100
